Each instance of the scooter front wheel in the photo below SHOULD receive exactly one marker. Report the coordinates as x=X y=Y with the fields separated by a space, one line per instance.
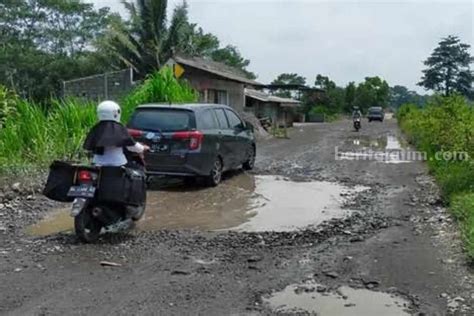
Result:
x=87 y=227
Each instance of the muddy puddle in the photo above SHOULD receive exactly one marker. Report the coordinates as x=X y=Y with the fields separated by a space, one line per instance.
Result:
x=387 y=149
x=242 y=202
x=311 y=297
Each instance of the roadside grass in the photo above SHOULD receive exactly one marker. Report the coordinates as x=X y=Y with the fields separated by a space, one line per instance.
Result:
x=32 y=135
x=444 y=129
x=462 y=206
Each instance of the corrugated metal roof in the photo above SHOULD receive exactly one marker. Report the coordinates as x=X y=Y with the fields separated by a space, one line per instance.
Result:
x=216 y=68
x=265 y=97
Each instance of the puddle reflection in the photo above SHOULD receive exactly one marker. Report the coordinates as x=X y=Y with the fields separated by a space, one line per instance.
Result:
x=310 y=298
x=387 y=149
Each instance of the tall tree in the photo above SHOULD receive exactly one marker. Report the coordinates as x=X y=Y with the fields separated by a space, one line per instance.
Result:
x=374 y=91
x=323 y=82
x=45 y=41
x=333 y=100
x=230 y=56
x=350 y=96
x=145 y=42
x=138 y=43
x=287 y=79
x=448 y=68
x=400 y=95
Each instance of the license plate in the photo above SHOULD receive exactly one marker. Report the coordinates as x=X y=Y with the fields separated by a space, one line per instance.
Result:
x=157 y=148
x=82 y=191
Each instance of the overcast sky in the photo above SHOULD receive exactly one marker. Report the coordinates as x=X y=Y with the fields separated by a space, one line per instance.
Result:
x=346 y=40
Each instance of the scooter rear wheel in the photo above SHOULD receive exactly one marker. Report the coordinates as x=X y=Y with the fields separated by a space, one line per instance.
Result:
x=87 y=227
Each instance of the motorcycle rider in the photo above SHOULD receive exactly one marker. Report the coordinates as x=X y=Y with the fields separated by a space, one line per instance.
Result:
x=356 y=113
x=107 y=140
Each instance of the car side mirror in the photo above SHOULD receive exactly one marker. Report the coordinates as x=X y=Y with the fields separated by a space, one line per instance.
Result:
x=249 y=126
x=239 y=128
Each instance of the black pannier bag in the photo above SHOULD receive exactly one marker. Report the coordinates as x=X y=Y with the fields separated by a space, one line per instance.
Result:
x=112 y=185
x=137 y=187
x=122 y=185
x=60 y=179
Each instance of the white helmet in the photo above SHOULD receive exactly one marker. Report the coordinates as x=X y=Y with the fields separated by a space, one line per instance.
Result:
x=108 y=111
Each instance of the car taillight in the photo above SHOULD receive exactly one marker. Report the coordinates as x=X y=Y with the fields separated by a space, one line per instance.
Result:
x=135 y=132
x=84 y=176
x=195 y=138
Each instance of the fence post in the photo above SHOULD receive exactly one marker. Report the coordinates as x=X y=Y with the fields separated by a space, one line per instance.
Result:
x=106 y=88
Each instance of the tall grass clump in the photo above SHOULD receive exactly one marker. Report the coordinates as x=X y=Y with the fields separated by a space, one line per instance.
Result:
x=31 y=136
x=444 y=129
x=8 y=101
x=159 y=87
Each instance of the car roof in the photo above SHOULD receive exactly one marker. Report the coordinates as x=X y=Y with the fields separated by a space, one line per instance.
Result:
x=377 y=108
x=185 y=106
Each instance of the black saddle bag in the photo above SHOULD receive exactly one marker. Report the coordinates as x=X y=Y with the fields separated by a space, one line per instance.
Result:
x=122 y=185
x=60 y=179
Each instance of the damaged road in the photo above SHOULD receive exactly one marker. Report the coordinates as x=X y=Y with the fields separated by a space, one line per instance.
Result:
x=312 y=230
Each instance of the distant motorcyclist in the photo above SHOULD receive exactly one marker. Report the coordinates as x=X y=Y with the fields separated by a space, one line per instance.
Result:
x=356 y=118
x=356 y=113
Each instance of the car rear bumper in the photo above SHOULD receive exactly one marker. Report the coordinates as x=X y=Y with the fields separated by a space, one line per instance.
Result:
x=195 y=164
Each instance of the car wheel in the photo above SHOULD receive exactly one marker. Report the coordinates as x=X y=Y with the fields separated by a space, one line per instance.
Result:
x=216 y=173
x=250 y=163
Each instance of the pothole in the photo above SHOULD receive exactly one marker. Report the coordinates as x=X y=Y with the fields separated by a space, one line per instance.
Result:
x=243 y=203
x=312 y=297
x=387 y=149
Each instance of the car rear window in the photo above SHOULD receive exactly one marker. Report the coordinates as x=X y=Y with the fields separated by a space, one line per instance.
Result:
x=164 y=120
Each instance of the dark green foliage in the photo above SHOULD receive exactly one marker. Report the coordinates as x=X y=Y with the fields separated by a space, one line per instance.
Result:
x=230 y=56
x=448 y=68
x=374 y=91
x=400 y=95
x=44 y=42
x=287 y=79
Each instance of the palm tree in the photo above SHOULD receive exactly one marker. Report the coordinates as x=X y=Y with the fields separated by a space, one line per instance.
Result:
x=144 y=42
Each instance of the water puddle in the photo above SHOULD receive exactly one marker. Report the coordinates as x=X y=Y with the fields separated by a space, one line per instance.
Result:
x=387 y=149
x=314 y=298
x=282 y=205
x=242 y=202
x=58 y=221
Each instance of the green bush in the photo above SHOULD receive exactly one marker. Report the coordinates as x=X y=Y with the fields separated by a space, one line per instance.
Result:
x=463 y=208
x=328 y=114
x=446 y=126
x=32 y=136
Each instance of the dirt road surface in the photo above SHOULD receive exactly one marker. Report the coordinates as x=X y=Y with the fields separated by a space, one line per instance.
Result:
x=317 y=228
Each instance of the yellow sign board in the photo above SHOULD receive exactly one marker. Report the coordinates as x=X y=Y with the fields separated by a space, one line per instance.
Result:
x=178 y=70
